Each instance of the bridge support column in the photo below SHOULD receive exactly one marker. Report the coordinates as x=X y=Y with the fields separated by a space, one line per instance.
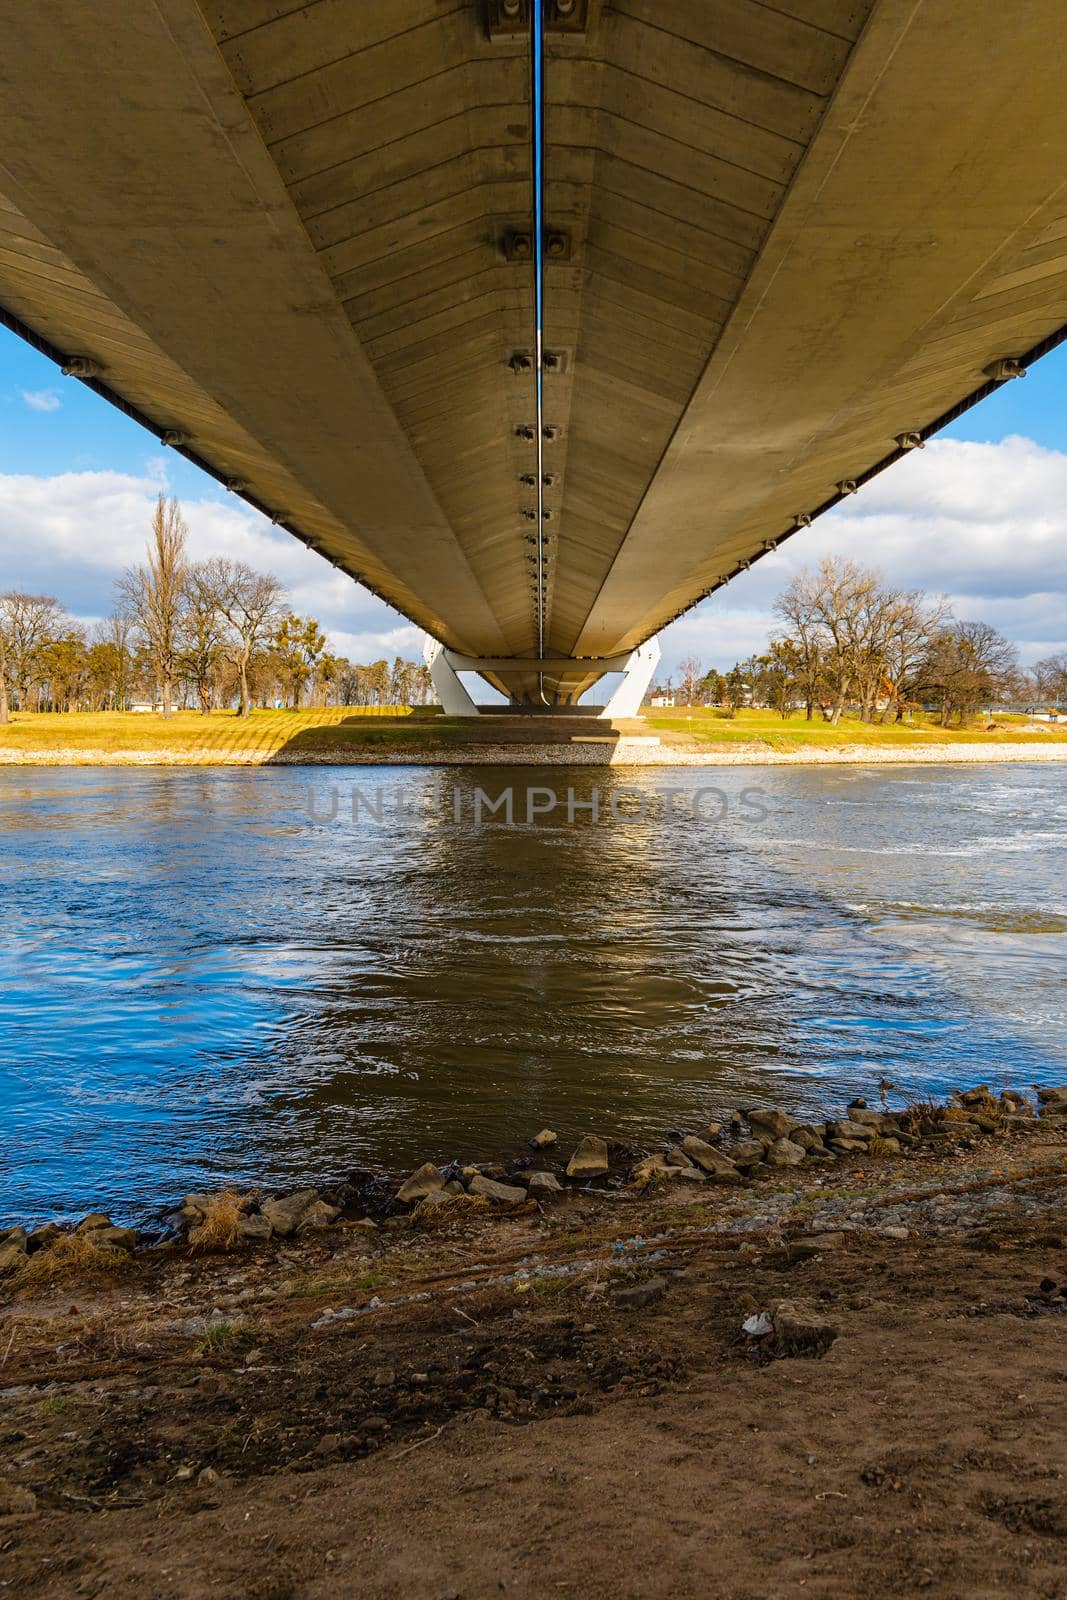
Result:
x=637 y=675
x=455 y=701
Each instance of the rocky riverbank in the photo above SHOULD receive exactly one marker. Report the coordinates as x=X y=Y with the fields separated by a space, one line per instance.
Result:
x=744 y=1147
x=724 y=1367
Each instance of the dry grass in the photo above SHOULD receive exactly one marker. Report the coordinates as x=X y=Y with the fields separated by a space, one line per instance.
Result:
x=458 y=1209
x=218 y=1230
x=75 y=1257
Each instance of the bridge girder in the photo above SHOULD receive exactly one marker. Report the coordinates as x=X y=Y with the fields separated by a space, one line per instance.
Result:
x=285 y=234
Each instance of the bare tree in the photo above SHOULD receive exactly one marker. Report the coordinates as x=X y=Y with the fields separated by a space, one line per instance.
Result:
x=155 y=594
x=797 y=607
x=691 y=673
x=1051 y=678
x=201 y=632
x=248 y=601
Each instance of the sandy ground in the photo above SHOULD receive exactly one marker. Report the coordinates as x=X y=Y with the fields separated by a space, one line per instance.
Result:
x=516 y=1425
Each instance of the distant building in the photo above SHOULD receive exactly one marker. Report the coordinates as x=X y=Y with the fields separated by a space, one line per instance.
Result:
x=662 y=700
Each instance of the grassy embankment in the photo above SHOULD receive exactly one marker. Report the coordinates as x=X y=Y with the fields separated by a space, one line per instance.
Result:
x=343 y=732
x=711 y=726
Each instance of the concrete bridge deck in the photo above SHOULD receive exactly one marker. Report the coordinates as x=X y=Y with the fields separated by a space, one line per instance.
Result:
x=781 y=240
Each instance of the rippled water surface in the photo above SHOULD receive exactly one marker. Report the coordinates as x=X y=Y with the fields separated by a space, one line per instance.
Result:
x=199 y=982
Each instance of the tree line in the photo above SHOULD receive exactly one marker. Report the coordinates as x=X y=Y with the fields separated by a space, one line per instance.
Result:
x=852 y=642
x=209 y=635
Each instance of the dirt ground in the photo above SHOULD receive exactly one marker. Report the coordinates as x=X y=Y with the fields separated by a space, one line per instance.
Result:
x=565 y=1403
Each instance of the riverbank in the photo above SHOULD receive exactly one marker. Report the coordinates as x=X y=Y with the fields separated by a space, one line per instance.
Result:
x=559 y=1395
x=341 y=736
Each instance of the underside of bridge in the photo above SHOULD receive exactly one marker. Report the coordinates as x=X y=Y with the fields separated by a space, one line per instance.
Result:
x=779 y=241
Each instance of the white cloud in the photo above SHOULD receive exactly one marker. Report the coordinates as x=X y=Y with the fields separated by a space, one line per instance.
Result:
x=41 y=399
x=73 y=534
x=985 y=524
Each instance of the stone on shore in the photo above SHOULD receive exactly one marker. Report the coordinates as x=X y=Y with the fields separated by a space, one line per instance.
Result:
x=590 y=1159
x=286 y=1213
x=784 y=1153
x=113 y=1238
x=638 y=1295
x=95 y=1220
x=504 y=1194
x=543 y=1186
x=673 y=1165
x=42 y=1237
x=747 y=1153
x=320 y=1214
x=254 y=1226
x=844 y=1129
x=800 y=1331
x=775 y=1124
x=815 y=1243
x=717 y=1166
x=423 y=1181
x=542 y=1140
x=881 y=1121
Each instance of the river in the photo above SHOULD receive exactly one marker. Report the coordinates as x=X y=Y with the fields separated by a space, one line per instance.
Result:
x=214 y=975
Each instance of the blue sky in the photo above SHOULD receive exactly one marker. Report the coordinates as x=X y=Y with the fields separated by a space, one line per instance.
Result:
x=981 y=514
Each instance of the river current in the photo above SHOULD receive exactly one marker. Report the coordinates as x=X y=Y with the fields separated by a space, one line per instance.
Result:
x=276 y=975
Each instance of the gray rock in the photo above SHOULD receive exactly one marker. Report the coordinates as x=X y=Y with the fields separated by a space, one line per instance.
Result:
x=42 y=1237
x=747 y=1153
x=542 y=1140
x=774 y=1123
x=423 y=1181
x=637 y=1295
x=590 y=1159
x=286 y=1214
x=844 y=1129
x=89 y=1224
x=254 y=1227
x=719 y=1168
x=320 y=1214
x=115 y=1238
x=675 y=1164
x=848 y=1147
x=503 y=1193
x=800 y=1331
x=543 y=1185
x=880 y=1121
x=784 y=1153
x=815 y=1243
x=435 y=1199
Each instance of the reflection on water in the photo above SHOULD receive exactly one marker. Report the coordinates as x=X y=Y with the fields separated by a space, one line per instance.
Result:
x=198 y=982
